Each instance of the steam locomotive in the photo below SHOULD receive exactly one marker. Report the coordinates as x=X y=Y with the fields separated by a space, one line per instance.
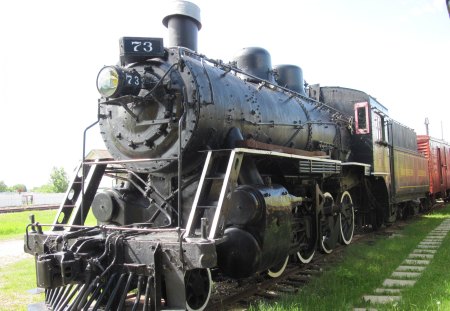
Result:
x=221 y=168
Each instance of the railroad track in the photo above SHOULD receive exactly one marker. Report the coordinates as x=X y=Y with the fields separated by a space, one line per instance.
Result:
x=230 y=294
x=17 y=209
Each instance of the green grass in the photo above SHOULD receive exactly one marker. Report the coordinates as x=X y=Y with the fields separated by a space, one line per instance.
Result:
x=12 y=225
x=15 y=280
x=432 y=290
x=19 y=277
x=365 y=266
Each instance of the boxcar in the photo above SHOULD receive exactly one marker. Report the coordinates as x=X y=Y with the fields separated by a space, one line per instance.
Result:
x=437 y=153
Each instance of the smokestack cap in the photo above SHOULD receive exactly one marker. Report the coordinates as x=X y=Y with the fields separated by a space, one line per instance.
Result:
x=185 y=8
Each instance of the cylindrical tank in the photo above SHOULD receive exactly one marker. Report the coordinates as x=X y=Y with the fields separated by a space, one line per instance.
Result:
x=261 y=238
x=291 y=77
x=183 y=24
x=215 y=103
x=255 y=61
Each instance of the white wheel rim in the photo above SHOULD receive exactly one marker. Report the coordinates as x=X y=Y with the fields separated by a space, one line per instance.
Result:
x=189 y=308
x=324 y=248
x=275 y=274
x=305 y=260
x=344 y=240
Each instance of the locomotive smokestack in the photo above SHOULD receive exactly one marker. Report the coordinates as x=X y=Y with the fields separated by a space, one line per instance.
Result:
x=183 y=23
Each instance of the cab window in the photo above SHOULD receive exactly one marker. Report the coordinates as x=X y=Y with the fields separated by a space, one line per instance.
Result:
x=362 y=118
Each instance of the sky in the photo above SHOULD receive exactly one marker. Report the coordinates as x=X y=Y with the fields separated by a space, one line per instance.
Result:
x=398 y=51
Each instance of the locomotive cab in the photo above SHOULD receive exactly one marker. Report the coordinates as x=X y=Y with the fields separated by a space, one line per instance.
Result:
x=398 y=170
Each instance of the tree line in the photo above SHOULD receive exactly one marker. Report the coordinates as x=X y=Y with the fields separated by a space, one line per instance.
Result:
x=58 y=183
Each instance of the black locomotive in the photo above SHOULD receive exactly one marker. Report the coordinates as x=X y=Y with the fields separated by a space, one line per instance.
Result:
x=232 y=167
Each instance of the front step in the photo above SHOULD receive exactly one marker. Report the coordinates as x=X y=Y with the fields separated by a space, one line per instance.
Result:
x=75 y=207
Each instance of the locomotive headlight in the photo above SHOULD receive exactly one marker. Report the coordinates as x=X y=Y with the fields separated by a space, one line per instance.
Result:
x=107 y=81
x=114 y=81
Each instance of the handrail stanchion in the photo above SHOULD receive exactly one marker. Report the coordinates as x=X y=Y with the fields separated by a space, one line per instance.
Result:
x=82 y=167
x=180 y=162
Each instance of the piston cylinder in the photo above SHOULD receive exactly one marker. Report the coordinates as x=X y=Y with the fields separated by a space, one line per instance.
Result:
x=260 y=239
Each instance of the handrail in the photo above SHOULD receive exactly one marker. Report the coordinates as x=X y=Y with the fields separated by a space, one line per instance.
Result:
x=83 y=162
x=180 y=161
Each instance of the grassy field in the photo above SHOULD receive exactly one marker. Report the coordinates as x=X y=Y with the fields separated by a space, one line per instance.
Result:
x=19 y=277
x=13 y=224
x=15 y=280
x=365 y=266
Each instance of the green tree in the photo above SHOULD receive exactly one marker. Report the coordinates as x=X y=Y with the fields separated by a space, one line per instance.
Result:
x=59 y=180
x=47 y=188
x=19 y=188
x=3 y=186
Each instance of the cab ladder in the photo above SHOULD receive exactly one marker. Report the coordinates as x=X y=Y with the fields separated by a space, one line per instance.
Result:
x=215 y=182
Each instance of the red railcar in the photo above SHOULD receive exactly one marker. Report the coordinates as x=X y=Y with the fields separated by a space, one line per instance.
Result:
x=438 y=154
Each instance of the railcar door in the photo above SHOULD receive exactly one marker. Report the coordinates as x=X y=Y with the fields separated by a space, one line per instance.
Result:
x=441 y=153
x=447 y=163
x=381 y=163
x=444 y=169
x=382 y=169
x=439 y=168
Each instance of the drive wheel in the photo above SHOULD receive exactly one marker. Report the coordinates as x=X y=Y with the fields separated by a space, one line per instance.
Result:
x=328 y=234
x=376 y=219
x=346 y=218
x=278 y=269
x=198 y=284
x=415 y=208
x=306 y=256
x=306 y=234
x=325 y=244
